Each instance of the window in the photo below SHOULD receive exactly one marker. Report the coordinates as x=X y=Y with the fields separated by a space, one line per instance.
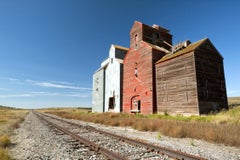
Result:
x=137 y=105
x=135 y=40
x=111 y=103
x=136 y=69
x=136 y=72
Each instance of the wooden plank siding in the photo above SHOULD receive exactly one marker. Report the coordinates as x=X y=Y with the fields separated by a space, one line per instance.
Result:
x=176 y=85
x=192 y=82
x=210 y=79
x=157 y=77
x=139 y=88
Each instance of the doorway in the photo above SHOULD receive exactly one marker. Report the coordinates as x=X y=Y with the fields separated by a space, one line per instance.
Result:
x=111 y=104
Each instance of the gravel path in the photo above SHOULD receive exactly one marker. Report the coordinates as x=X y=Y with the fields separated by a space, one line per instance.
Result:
x=33 y=140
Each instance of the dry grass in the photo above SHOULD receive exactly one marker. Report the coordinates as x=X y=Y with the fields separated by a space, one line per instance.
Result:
x=4 y=154
x=233 y=101
x=9 y=120
x=4 y=141
x=222 y=128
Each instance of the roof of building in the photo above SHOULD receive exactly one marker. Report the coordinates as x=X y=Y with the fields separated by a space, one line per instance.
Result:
x=120 y=47
x=157 y=47
x=155 y=26
x=188 y=49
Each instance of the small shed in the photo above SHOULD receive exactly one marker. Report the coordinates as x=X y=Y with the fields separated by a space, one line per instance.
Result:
x=191 y=81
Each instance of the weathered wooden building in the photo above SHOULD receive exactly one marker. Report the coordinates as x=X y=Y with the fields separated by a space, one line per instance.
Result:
x=107 y=82
x=147 y=45
x=191 y=81
x=153 y=76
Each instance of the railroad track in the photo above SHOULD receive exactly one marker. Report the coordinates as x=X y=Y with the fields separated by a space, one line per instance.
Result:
x=113 y=146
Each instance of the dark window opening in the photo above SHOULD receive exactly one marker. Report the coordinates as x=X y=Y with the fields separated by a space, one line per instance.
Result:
x=135 y=40
x=111 y=104
x=139 y=105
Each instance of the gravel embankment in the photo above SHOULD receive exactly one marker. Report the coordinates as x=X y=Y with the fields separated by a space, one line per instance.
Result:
x=33 y=140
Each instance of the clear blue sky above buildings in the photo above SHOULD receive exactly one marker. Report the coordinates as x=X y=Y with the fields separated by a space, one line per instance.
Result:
x=49 y=49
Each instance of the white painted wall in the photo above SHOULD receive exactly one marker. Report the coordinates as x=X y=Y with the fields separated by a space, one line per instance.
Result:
x=113 y=78
x=98 y=91
x=107 y=81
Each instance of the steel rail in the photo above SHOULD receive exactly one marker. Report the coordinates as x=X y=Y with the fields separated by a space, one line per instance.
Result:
x=93 y=146
x=178 y=155
x=162 y=150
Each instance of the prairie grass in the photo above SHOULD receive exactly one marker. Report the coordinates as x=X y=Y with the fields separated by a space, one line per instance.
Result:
x=4 y=141
x=233 y=101
x=4 y=154
x=222 y=128
x=9 y=120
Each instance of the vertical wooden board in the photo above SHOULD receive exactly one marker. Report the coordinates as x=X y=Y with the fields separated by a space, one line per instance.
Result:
x=139 y=69
x=211 y=80
x=175 y=85
x=140 y=85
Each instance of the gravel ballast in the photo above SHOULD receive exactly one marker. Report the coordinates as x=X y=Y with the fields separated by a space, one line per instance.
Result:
x=35 y=140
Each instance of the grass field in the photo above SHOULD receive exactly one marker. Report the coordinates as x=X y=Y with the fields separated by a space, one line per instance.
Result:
x=222 y=127
x=9 y=120
x=234 y=101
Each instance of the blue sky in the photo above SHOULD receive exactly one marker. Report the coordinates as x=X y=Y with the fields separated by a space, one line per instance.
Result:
x=49 y=49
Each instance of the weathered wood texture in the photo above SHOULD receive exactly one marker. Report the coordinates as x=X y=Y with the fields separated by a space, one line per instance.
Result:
x=138 y=87
x=156 y=36
x=193 y=82
x=210 y=79
x=139 y=90
x=176 y=85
